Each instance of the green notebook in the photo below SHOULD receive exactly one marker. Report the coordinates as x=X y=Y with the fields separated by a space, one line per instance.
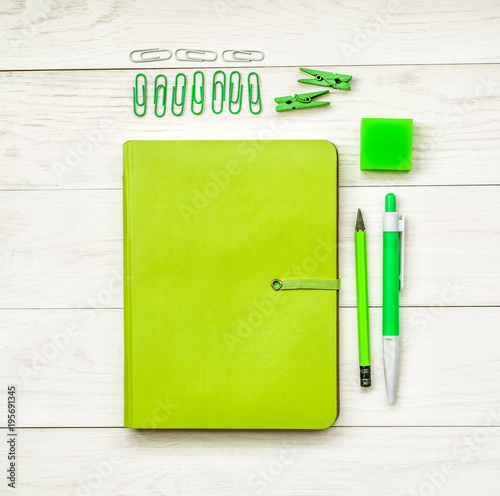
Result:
x=208 y=225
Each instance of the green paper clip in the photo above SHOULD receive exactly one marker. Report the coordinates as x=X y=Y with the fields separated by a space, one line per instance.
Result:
x=304 y=100
x=202 y=93
x=321 y=78
x=183 y=95
x=158 y=88
x=257 y=101
x=239 y=94
x=135 y=91
x=222 y=85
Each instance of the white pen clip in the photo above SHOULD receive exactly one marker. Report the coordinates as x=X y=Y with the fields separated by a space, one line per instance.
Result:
x=401 y=250
x=395 y=222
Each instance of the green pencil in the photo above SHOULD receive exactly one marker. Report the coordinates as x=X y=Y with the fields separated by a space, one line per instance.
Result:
x=362 y=300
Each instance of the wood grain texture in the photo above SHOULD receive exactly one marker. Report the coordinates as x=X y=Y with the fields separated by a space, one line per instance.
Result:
x=357 y=461
x=65 y=129
x=64 y=118
x=63 y=249
x=43 y=34
x=68 y=367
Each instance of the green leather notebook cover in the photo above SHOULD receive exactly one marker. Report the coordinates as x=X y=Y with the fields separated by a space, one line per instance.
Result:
x=208 y=342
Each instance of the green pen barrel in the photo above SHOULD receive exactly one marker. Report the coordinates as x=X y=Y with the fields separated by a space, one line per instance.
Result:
x=391 y=271
x=362 y=298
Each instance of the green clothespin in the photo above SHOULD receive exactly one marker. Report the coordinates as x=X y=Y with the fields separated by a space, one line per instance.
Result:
x=321 y=78
x=304 y=100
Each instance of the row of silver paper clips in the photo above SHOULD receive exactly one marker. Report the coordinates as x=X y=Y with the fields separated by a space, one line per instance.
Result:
x=195 y=55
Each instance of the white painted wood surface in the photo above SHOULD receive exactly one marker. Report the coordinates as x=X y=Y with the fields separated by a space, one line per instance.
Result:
x=343 y=460
x=89 y=34
x=55 y=239
x=68 y=365
x=64 y=116
x=455 y=110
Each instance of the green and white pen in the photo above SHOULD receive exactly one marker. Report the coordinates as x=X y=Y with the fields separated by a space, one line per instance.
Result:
x=393 y=272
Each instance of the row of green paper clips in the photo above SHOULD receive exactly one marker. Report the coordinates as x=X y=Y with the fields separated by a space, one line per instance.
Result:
x=235 y=94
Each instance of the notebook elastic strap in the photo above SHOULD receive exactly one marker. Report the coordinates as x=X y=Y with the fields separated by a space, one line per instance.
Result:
x=286 y=284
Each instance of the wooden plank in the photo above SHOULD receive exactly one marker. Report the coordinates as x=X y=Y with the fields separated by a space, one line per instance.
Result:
x=445 y=369
x=359 y=461
x=66 y=129
x=63 y=249
x=43 y=34
x=68 y=368
x=60 y=249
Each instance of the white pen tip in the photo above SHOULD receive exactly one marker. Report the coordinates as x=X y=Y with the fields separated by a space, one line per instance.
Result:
x=391 y=362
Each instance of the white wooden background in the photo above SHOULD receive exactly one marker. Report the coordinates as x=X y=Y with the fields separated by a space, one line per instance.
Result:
x=65 y=101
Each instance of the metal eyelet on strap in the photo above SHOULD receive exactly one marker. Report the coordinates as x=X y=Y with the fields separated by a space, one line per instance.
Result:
x=321 y=284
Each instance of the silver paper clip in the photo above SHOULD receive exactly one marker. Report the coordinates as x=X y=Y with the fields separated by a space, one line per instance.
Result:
x=187 y=55
x=236 y=58
x=150 y=59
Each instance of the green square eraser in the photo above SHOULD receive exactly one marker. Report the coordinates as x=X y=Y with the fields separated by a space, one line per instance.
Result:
x=386 y=144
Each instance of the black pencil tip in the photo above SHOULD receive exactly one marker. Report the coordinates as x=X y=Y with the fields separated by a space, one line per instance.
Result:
x=360 y=225
x=365 y=376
